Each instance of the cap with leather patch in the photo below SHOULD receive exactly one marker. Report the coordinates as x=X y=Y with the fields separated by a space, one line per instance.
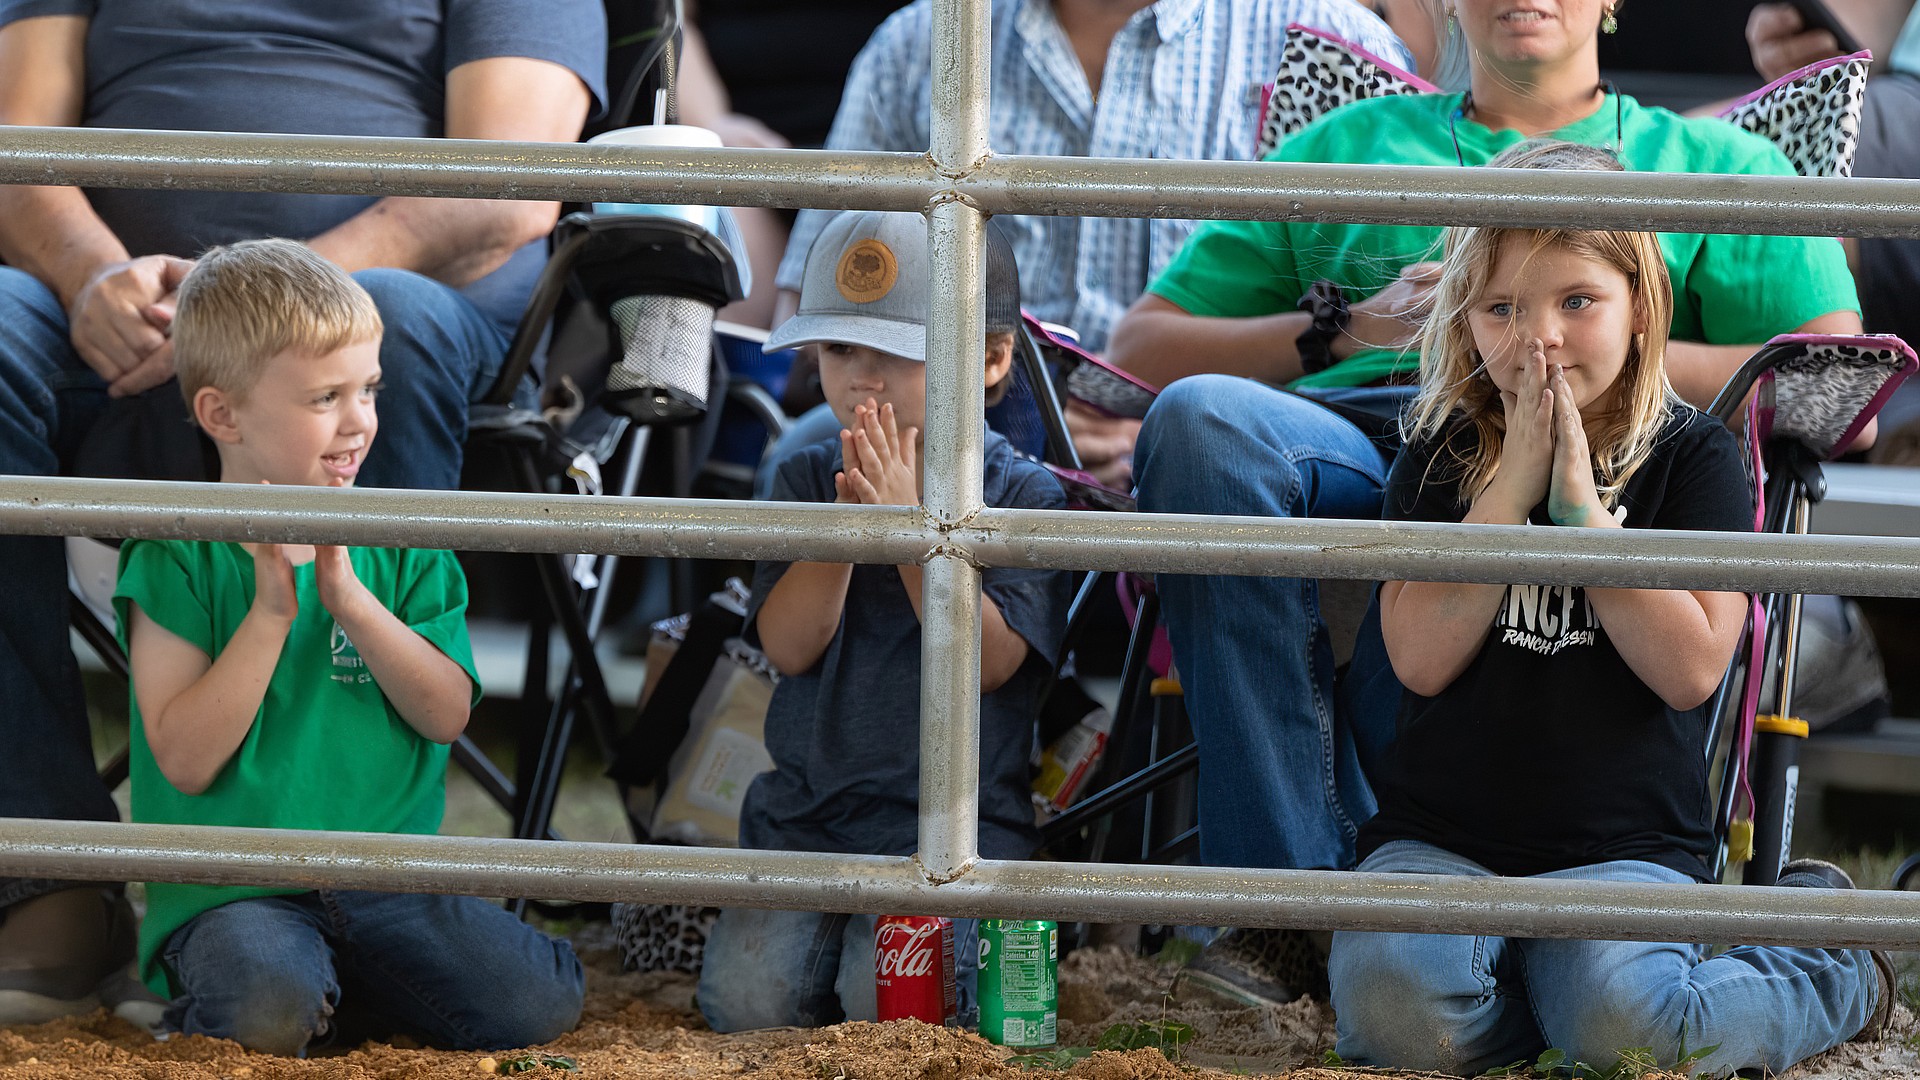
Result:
x=867 y=272
x=868 y=279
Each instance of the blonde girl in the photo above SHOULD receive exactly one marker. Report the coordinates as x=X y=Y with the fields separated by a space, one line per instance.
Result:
x=1559 y=731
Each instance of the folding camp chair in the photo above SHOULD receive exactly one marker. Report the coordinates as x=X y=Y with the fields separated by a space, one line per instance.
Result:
x=1807 y=397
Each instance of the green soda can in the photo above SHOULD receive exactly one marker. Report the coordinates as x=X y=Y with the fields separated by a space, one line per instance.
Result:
x=1019 y=988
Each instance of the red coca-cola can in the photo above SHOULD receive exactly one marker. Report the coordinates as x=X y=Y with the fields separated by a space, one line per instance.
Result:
x=913 y=968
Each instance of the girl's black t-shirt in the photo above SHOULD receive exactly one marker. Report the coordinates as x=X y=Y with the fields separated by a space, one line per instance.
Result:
x=1548 y=752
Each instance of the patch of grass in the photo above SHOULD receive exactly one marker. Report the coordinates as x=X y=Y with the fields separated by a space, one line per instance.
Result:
x=1166 y=1036
x=526 y=1063
x=1634 y=1064
x=1064 y=1057
x=1871 y=868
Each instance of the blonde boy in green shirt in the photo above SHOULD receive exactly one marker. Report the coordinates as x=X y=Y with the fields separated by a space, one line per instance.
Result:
x=288 y=686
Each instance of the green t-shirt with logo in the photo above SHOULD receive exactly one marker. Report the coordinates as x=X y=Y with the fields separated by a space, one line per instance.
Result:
x=1727 y=289
x=327 y=750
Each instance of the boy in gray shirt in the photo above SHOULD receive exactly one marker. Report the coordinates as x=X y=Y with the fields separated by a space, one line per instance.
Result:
x=841 y=728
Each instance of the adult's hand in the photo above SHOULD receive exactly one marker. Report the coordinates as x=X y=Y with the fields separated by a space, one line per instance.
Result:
x=1105 y=443
x=1780 y=42
x=120 y=318
x=1392 y=317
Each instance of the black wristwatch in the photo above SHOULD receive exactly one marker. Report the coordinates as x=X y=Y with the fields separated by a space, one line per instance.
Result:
x=1328 y=306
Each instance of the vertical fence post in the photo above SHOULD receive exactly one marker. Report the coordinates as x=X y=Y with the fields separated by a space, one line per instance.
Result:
x=950 y=631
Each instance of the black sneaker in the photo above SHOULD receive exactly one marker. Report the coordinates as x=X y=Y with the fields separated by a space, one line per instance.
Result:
x=1254 y=969
x=1814 y=874
x=1820 y=874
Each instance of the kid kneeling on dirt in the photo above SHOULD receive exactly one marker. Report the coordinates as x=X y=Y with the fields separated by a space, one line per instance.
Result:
x=841 y=728
x=1544 y=400
x=297 y=687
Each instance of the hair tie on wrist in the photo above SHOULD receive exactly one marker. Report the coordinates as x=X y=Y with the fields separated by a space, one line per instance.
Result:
x=1328 y=305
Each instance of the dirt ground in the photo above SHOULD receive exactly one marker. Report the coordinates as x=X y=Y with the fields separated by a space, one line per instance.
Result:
x=643 y=1027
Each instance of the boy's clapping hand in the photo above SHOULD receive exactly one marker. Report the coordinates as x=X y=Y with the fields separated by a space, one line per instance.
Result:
x=339 y=586
x=882 y=468
x=273 y=591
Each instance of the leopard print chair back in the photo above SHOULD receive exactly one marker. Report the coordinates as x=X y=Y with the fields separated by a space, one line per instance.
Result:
x=1812 y=115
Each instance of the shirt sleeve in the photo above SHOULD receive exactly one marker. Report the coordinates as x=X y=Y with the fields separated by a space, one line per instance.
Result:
x=1422 y=486
x=1709 y=486
x=1749 y=288
x=1232 y=269
x=12 y=11
x=571 y=33
x=432 y=601
x=1033 y=601
x=875 y=113
x=1244 y=269
x=155 y=575
x=797 y=479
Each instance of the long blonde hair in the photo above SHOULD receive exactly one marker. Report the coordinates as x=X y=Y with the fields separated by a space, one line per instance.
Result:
x=1456 y=388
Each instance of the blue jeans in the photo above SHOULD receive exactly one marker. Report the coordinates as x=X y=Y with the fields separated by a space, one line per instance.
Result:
x=767 y=969
x=1459 y=1004
x=454 y=971
x=1281 y=745
x=440 y=353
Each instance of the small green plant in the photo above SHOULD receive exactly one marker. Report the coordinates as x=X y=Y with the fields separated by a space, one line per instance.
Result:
x=1064 y=1057
x=1633 y=1064
x=528 y=1062
x=1166 y=1036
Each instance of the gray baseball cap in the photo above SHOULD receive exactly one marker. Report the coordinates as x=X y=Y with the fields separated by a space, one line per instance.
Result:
x=868 y=279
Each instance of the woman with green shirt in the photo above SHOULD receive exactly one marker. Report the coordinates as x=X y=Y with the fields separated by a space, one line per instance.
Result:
x=1282 y=747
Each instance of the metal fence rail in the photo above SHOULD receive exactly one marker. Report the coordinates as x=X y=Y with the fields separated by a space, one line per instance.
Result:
x=1013 y=184
x=956 y=183
x=1157 y=543
x=1098 y=892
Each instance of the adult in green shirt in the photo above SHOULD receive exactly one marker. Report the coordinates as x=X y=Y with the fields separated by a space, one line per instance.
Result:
x=1282 y=747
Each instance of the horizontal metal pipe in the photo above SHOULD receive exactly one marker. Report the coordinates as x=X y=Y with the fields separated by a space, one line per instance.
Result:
x=1427 y=551
x=462 y=168
x=1312 y=900
x=1425 y=195
x=462 y=520
x=1155 y=543
x=1099 y=187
